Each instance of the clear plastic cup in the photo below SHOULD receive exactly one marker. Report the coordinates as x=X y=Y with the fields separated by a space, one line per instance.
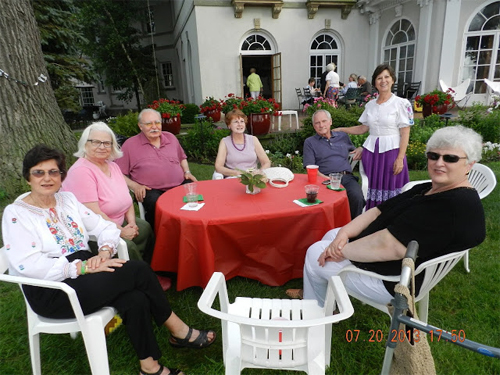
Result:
x=311 y=193
x=335 y=179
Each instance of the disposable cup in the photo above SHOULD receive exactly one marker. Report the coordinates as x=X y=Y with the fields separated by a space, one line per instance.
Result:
x=311 y=192
x=335 y=179
x=312 y=173
x=190 y=188
x=192 y=199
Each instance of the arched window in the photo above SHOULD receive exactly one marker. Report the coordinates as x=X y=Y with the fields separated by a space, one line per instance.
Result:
x=324 y=50
x=399 y=49
x=256 y=42
x=482 y=51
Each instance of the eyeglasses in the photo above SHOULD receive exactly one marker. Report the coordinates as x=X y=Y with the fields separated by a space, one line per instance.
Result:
x=98 y=143
x=157 y=123
x=446 y=158
x=38 y=173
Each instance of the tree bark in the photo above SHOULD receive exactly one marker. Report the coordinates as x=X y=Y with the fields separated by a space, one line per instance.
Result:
x=29 y=114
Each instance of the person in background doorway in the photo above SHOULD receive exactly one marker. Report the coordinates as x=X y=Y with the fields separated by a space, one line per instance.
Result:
x=254 y=84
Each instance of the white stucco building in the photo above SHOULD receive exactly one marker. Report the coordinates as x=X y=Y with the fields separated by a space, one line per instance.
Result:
x=206 y=47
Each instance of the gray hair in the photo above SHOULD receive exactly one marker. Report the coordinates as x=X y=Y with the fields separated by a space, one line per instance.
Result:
x=328 y=114
x=460 y=137
x=101 y=127
x=331 y=67
x=148 y=110
x=362 y=78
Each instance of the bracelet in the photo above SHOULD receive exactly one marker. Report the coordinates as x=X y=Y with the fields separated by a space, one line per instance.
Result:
x=83 y=268
x=188 y=171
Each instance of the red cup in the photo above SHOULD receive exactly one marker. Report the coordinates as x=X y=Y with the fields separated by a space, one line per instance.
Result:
x=312 y=173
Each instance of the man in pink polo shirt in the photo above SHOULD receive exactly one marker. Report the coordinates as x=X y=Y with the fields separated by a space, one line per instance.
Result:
x=153 y=162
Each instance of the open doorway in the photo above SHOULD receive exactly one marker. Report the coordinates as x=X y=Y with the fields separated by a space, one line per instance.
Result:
x=263 y=65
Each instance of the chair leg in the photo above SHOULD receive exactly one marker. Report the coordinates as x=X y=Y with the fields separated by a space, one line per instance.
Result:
x=423 y=308
x=466 y=261
x=34 y=341
x=95 y=344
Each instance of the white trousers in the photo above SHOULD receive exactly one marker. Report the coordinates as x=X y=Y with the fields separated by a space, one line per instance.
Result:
x=316 y=277
x=254 y=94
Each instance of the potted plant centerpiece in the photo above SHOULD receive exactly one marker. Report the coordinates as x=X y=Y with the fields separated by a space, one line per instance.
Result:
x=436 y=101
x=171 y=111
x=258 y=110
x=211 y=108
x=254 y=180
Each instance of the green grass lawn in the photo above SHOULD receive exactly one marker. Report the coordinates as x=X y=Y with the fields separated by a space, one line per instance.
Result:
x=468 y=302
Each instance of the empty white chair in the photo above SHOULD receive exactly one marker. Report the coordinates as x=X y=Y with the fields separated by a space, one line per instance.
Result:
x=435 y=270
x=481 y=178
x=364 y=180
x=91 y=326
x=459 y=92
x=274 y=333
x=290 y=118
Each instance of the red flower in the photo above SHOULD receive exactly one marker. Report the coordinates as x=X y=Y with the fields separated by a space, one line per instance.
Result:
x=53 y=230
x=167 y=115
x=164 y=115
x=71 y=242
x=74 y=225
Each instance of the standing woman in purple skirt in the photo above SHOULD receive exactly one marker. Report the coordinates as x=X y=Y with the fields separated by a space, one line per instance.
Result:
x=388 y=118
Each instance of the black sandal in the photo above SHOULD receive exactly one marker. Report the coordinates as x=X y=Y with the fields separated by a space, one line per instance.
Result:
x=202 y=341
x=173 y=371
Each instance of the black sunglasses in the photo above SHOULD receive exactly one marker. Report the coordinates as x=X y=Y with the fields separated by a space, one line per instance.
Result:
x=446 y=158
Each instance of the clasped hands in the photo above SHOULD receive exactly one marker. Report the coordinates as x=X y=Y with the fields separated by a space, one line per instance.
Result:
x=103 y=262
x=333 y=252
x=129 y=232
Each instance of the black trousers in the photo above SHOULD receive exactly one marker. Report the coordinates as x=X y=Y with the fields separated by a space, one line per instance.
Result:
x=149 y=203
x=132 y=289
x=354 y=194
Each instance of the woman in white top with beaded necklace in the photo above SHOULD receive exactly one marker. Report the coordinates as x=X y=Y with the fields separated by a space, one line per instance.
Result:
x=384 y=152
x=238 y=151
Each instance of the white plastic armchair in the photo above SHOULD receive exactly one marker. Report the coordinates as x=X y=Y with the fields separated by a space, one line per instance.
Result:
x=91 y=326
x=276 y=333
x=435 y=270
x=494 y=86
x=481 y=178
x=459 y=92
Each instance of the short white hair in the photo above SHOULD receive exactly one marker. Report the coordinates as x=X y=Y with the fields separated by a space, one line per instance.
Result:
x=101 y=127
x=459 y=137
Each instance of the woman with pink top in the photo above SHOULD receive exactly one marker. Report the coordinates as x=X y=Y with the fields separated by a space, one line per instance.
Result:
x=98 y=183
x=238 y=151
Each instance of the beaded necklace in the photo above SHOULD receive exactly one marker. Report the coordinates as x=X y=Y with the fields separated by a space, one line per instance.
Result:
x=244 y=143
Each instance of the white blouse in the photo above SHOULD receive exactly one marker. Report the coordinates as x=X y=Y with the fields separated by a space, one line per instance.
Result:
x=38 y=240
x=385 y=120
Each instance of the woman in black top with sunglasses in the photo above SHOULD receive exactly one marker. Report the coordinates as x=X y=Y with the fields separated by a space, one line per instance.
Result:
x=443 y=216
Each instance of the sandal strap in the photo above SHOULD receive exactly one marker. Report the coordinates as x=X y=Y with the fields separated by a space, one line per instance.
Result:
x=185 y=340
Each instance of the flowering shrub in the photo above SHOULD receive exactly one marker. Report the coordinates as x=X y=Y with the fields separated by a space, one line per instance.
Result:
x=294 y=161
x=320 y=103
x=368 y=98
x=249 y=105
x=435 y=98
x=167 y=108
x=210 y=104
x=415 y=155
x=491 y=152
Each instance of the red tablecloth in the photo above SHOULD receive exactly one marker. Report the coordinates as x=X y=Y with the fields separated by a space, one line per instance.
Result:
x=262 y=237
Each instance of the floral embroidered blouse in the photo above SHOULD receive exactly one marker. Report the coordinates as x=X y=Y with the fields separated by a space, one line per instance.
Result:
x=38 y=240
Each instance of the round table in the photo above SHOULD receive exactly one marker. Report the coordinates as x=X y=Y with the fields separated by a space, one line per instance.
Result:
x=262 y=237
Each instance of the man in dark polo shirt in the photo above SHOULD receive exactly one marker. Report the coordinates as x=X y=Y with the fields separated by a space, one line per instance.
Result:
x=330 y=151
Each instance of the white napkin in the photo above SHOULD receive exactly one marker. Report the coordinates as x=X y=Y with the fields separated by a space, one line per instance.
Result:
x=195 y=208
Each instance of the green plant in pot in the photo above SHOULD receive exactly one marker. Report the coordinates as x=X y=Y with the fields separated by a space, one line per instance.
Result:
x=254 y=180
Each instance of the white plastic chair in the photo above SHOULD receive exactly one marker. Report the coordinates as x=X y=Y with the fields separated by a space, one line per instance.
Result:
x=435 y=270
x=274 y=333
x=459 y=92
x=364 y=180
x=91 y=326
x=494 y=86
x=481 y=178
x=290 y=118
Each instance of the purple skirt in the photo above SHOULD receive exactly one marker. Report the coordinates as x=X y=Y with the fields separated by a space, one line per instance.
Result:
x=382 y=184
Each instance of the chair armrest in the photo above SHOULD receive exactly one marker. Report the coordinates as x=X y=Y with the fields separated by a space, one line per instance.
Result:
x=122 y=250
x=337 y=295
x=354 y=269
x=216 y=286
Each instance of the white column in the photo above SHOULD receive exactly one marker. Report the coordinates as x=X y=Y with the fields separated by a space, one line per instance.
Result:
x=423 y=42
x=448 y=48
x=374 y=45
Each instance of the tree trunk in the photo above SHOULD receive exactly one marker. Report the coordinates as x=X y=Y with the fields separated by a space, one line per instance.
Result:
x=29 y=114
